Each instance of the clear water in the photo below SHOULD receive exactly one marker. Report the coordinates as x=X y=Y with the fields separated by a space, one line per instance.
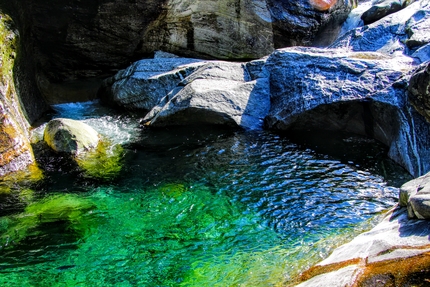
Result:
x=192 y=207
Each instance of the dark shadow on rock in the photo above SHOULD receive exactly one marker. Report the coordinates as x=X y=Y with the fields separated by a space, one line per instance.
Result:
x=410 y=227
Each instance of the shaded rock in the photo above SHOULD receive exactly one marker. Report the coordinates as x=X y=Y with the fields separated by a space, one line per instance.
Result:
x=419 y=90
x=218 y=93
x=70 y=136
x=380 y=10
x=400 y=32
x=85 y=41
x=358 y=92
x=144 y=83
x=395 y=251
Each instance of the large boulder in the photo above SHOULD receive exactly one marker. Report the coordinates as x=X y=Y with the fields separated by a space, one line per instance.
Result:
x=70 y=136
x=84 y=41
x=144 y=83
x=394 y=253
x=402 y=32
x=380 y=9
x=359 y=92
x=218 y=93
x=415 y=195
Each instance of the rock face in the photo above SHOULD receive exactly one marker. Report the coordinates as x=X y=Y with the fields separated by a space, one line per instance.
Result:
x=419 y=90
x=84 y=41
x=70 y=136
x=394 y=253
x=402 y=32
x=15 y=151
x=218 y=93
x=365 y=95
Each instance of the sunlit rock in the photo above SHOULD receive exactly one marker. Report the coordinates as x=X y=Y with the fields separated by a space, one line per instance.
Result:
x=218 y=93
x=394 y=253
x=143 y=84
x=16 y=155
x=400 y=32
x=359 y=92
x=415 y=195
x=70 y=136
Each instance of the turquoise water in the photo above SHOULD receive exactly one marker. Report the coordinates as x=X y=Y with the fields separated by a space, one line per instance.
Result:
x=192 y=207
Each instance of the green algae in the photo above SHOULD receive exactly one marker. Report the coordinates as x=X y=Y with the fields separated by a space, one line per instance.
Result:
x=57 y=208
x=105 y=162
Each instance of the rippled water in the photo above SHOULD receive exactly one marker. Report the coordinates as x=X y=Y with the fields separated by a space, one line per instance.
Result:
x=194 y=207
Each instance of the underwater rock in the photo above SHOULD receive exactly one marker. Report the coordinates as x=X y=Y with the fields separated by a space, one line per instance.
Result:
x=218 y=93
x=419 y=90
x=400 y=32
x=395 y=251
x=70 y=136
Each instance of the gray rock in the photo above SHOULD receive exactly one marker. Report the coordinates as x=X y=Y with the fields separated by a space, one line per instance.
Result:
x=422 y=54
x=70 y=136
x=143 y=84
x=218 y=93
x=359 y=92
x=380 y=10
x=399 y=32
x=419 y=90
x=395 y=241
x=415 y=195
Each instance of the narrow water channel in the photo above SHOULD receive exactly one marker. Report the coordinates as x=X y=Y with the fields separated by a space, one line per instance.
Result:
x=192 y=207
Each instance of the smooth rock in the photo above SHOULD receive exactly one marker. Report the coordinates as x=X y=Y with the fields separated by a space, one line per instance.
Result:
x=380 y=10
x=396 y=251
x=415 y=195
x=358 y=92
x=419 y=90
x=218 y=93
x=145 y=82
x=400 y=32
x=70 y=136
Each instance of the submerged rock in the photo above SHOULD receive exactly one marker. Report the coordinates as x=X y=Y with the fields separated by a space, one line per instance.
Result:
x=218 y=93
x=70 y=136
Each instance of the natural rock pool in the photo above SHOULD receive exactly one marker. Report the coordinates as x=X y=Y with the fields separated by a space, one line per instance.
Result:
x=192 y=207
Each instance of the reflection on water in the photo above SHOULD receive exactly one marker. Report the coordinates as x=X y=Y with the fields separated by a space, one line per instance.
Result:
x=196 y=207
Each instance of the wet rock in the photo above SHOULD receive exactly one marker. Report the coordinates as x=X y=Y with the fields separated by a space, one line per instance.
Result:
x=380 y=10
x=70 y=136
x=395 y=252
x=400 y=32
x=419 y=90
x=145 y=82
x=16 y=154
x=358 y=92
x=218 y=93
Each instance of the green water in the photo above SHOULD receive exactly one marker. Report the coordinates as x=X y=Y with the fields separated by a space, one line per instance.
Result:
x=192 y=207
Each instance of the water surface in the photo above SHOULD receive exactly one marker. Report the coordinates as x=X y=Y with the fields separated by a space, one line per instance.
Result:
x=193 y=207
